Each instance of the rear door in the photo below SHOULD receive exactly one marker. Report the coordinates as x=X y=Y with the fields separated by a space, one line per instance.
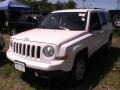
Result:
x=106 y=29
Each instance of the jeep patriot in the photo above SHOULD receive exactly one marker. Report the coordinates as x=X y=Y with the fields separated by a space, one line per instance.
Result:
x=63 y=43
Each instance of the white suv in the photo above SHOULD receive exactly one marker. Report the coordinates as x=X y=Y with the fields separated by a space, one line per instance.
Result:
x=63 y=43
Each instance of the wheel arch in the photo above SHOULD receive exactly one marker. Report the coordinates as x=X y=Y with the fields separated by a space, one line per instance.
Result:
x=83 y=54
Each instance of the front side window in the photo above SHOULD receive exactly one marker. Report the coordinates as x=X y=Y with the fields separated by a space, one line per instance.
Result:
x=68 y=20
x=94 y=19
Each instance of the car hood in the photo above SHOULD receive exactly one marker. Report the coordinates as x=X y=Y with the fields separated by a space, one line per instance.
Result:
x=49 y=36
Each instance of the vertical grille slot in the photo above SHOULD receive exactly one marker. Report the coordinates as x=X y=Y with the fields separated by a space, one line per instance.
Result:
x=38 y=52
x=16 y=47
x=33 y=51
x=28 y=50
x=24 y=49
x=20 y=46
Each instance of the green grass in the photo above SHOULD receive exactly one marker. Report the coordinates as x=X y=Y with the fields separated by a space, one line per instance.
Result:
x=12 y=79
x=110 y=82
x=117 y=65
x=116 y=40
x=116 y=36
x=7 y=70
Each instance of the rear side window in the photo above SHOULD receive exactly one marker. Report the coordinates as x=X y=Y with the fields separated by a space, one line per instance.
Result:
x=103 y=18
x=108 y=17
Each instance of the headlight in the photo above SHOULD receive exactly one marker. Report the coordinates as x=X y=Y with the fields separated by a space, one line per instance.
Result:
x=48 y=51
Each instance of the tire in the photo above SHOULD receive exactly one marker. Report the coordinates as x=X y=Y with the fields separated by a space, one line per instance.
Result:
x=108 y=46
x=116 y=21
x=79 y=69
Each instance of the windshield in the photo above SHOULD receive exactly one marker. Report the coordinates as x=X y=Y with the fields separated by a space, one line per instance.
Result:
x=65 y=20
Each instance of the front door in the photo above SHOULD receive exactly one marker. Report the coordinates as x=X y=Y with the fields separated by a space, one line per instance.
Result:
x=96 y=35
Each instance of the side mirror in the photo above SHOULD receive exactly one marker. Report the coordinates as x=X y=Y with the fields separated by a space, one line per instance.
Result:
x=95 y=27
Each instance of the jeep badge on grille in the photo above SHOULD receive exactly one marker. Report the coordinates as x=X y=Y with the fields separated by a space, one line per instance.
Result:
x=26 y=39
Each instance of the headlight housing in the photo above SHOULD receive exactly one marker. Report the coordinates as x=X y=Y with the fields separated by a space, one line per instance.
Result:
x=48 y=51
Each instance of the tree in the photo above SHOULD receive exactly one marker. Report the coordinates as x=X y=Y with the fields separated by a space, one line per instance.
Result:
x=44 y=5
x=71 y=4
x=65 y=5
x=59 y=5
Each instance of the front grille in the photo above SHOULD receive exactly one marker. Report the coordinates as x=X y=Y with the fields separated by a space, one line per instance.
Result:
x=27 y=50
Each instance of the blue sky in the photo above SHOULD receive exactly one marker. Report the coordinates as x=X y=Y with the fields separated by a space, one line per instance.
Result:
x=107 y=4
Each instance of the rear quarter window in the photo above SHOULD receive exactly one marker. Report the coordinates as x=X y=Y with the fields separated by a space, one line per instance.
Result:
x=108 y=17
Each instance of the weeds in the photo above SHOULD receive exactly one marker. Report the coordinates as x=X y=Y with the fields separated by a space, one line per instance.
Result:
x=7 y=69
x=12 y=79
x=116 y=33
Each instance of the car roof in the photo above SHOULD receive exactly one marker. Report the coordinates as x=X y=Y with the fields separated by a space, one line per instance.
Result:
x=78 y=10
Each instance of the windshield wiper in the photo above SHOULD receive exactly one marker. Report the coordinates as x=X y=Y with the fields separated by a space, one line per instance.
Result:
x=40 y=26
x=60 y=27
x=63 y=28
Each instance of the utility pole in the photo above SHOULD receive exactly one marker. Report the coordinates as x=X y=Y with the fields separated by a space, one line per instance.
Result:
x=83 y=3
x=118 y=4
x=92 y=4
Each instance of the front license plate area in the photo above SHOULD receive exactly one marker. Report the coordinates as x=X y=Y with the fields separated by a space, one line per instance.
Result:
x=20 y=66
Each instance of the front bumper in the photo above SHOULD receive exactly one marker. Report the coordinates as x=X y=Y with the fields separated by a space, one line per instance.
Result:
x=56 y=74
x=53 y=65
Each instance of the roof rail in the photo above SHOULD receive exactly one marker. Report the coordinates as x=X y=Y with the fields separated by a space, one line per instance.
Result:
x=99 y=8
x=92 y=8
